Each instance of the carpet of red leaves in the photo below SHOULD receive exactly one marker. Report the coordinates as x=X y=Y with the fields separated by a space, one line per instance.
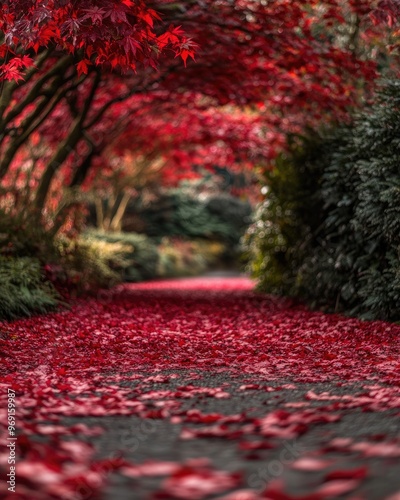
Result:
x=77 y=362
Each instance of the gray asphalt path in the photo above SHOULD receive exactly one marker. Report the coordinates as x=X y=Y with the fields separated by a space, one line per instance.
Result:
x=143 y=440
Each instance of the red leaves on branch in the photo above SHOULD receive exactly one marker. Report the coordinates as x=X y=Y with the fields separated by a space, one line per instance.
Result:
x=386 y=11
x=100 y=30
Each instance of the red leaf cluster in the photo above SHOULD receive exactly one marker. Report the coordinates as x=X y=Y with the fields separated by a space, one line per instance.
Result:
x=106 y=33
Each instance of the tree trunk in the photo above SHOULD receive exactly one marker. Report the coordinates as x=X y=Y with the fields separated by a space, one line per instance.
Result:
x=66 y=147
x=116 y=222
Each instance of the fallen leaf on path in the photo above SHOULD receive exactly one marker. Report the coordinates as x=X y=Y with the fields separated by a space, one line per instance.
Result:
x=311 y=464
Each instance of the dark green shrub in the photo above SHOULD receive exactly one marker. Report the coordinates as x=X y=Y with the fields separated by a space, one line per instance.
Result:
x=75 y=264
x=23 y=237
x=284 y=224
x=23 y=290
x=329 y=231
x=185 y=215
x=233 y=216
x=182 y=214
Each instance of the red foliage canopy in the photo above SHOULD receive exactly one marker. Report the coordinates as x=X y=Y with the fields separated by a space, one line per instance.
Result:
x=291 y=63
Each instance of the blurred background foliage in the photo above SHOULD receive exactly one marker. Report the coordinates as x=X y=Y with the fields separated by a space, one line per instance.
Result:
x=165 y=232
x=187 y=230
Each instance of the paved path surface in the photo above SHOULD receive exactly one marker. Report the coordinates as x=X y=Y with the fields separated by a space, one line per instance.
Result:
x=376 y=477
x=203 y=389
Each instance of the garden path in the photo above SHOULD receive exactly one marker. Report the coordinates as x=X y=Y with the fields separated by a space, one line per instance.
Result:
x=199 y=389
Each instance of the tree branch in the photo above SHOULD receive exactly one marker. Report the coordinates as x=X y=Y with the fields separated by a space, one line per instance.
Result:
x=33 y=121
x=56 y=70
x=65 y=148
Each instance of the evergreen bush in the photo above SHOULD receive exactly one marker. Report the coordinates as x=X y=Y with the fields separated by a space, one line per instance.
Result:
x=329 y=230
x=179 y=213
x=89 y=262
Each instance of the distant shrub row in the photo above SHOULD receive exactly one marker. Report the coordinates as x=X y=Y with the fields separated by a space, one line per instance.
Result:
x=179 y=213
x=178 y=234
x=136 y=257
x=98 y=260
x=328 y=231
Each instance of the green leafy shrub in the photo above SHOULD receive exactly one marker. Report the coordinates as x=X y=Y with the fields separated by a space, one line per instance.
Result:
x=233 y=215
x=24 y=237
x=74 y=264
x=136 y=258
x=89 y=263
x=23 y=289
x=177 y=220
x=187 y=258
x=329 y=231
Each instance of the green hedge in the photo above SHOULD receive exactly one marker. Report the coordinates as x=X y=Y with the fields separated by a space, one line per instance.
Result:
x=23 y=290
x=181 y=215
x=329 y=230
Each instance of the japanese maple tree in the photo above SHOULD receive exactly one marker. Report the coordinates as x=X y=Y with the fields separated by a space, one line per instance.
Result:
x=78 y=74
x=53 y=58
